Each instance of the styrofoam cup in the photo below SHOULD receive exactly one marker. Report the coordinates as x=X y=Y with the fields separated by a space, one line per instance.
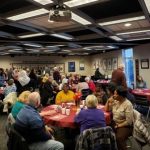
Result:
x=63 y=111
x=67 y=112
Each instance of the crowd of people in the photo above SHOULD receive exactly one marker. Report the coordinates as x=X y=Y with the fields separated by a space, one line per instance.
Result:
x=30 y=92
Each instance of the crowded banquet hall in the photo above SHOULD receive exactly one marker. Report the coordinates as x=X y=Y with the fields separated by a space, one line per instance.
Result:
x=74 y=75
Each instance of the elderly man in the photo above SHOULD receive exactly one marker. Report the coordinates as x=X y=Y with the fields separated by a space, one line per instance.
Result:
x=31 y=126
x=118 y=77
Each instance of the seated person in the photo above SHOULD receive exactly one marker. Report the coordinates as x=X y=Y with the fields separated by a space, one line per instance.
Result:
x=90 y=83
x=100 y=94
x=31 y=126
x=91 y=117
x=140 y=83
x=10 y=88
x=122 y=111
x=65 y=95
x=21 y=101
x=82 y=85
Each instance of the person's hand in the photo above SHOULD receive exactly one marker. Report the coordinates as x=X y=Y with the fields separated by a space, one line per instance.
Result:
x=117 y=126
x=49 y=130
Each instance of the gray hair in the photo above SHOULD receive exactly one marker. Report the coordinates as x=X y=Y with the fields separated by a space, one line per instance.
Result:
x=91 y=101
x=34 y=99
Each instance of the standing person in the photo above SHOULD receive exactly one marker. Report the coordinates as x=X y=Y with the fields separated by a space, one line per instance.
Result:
x=56 y=75
x=118 y=77
x=98 y=75
x=90 y=84
x=2 y=77
x=31 y=126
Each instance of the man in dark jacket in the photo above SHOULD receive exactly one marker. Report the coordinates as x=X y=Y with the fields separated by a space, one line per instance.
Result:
x=31 y=126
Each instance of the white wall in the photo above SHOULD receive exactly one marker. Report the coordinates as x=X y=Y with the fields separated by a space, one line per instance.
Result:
x=6 y=61
x=140 y=52
x=143 y=52
x=100 y=57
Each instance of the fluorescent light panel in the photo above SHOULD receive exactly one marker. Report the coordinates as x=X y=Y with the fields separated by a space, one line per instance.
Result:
x=147 y=3
x=74 y=3
x=43 y=2
x=31 y=35
x=29 y=14
x=79 y=19
x=138 y=39
x=62 y=36
x=122 y=20
x=133 y=32
x=116 y=38
x=32 y=45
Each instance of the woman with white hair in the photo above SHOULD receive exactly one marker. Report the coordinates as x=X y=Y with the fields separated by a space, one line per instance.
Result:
x=91 y=84
x=90 y=117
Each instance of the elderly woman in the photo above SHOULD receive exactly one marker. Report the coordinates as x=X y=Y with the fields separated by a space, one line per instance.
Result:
x=65 y=95
x=91 y=117
x=122 y=111
x=90 y=84
x=22 y=100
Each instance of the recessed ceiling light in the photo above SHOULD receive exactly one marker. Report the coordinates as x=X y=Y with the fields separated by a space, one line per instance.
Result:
x=133 y=32
x=63 y=36
x=138 y=39
x=43 y=2
x=122 y=20
x=31 y=35
x=80 y=20
x=28 y=14
x=74 y=3
x=116 y=38
x=127 y=24
x=147 y=3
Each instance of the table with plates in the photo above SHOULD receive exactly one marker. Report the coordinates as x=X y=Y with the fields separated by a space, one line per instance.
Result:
x=52 y=117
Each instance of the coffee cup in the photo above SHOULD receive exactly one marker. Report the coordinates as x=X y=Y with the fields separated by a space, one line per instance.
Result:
x=63 y=111
x=67 y=112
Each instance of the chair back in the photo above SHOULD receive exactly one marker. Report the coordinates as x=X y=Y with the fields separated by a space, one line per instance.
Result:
x=16 y=141
x=85 y=93
x=97 y=139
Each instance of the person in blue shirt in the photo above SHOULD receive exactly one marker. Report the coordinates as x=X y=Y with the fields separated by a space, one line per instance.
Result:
x=31 y=126
x=90 y=117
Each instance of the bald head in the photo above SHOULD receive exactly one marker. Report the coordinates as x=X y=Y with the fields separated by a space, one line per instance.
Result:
x=34 y=99
x=121 y=66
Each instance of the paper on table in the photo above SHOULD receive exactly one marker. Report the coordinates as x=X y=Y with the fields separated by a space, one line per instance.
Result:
x=58 y=117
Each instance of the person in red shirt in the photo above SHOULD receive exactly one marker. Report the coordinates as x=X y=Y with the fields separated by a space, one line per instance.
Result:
x=91 y=84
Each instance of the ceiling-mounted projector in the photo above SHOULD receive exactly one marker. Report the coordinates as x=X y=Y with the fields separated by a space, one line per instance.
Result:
x=60 y=14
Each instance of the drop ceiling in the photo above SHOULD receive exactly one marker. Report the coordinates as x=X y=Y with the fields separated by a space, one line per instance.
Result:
x=96 y=26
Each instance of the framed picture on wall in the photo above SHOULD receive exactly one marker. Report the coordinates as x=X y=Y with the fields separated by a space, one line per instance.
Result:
x=144 y=63
x=81 y=66
x=71 y=66
x=109 y=64
x=114 y=63
x=104 y=64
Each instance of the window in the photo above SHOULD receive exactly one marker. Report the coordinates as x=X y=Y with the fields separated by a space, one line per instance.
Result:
x=127 y=55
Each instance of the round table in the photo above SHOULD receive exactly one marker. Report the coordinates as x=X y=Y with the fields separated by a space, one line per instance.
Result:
x=52 y=117
x=142 y=92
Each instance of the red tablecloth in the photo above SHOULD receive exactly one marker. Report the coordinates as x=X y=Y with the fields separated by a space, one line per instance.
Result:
x=57 y=119
x=142 y=92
